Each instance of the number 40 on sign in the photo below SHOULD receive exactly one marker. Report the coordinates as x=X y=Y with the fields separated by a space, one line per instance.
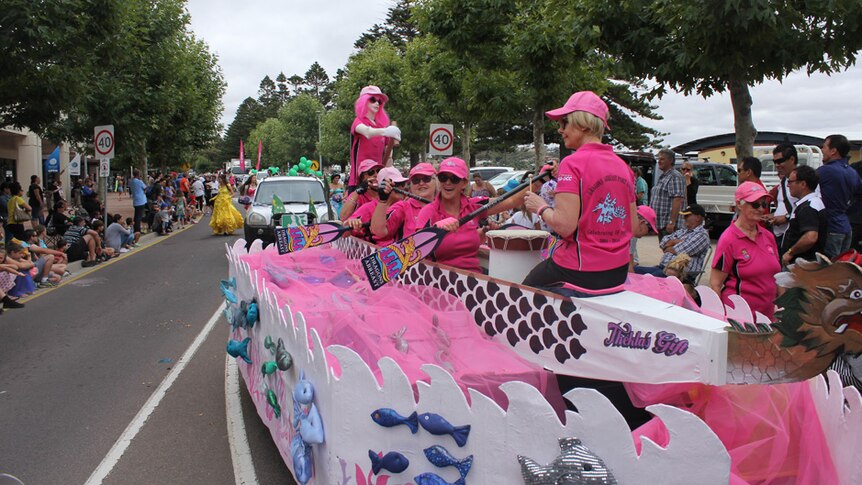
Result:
x=440 y=140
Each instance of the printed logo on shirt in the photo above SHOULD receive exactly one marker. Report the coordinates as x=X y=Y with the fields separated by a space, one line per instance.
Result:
x=745 y=255
x=564 y=178
x=609 y=210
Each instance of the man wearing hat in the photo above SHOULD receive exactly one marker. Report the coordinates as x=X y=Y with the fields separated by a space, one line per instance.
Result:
x=692 y=239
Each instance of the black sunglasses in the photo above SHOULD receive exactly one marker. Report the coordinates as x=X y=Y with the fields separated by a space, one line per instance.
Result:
x=374 y=100
x=400 y=185
x=420 y=179
x=759 y=205
x=372 y=171
x=444 y=177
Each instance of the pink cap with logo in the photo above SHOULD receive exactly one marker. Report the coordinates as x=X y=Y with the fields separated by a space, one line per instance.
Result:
x=422 y=169
x=374 y=91
x=586 y=101
x=455 y=166
x=368 y=164
x=392 y=174
x=750 y=192
x=649 y=216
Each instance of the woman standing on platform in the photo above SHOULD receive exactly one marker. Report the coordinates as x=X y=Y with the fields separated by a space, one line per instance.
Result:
x=369 y=132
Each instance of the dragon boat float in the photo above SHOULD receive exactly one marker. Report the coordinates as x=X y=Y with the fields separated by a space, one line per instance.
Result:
x=445 y=376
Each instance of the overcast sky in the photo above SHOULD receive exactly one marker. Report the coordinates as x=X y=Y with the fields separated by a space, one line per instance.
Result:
x=253 y=38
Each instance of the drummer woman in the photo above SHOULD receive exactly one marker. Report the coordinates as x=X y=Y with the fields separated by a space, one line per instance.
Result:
x=365 y=191
x=459 y=249
x=369 y=132
x=396 y=218
x=595 y=209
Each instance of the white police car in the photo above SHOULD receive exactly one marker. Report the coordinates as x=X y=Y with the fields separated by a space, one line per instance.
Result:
x=296 y=193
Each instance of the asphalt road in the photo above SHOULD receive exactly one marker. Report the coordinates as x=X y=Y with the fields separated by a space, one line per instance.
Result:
x=79 y=363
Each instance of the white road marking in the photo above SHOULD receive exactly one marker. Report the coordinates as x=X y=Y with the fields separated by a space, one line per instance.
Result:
x=110 y=461
x=240 y=452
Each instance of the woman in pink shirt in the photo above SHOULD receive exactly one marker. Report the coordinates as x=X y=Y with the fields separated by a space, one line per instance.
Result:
x=369 y=131
x=460 y=248
x=365 y=191
x=397 y=217
x=594 y=205
x=363 y=214
x=746 y=256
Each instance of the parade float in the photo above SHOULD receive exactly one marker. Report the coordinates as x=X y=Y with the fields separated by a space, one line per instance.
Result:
x=446 y=376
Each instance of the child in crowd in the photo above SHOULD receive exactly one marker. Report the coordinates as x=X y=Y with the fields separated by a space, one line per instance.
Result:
x=165 y=217
x=180 y=209
x=8 y=273
x=24 y=284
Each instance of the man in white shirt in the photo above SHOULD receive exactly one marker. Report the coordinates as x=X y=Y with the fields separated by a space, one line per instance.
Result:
x=198 y=189
x=784 y=156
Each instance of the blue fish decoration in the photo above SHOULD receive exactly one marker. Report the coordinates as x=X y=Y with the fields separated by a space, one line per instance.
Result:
x=252 y=314
x=228 y=315
x=436 y=424
x=393 y=462
x=239 y=349
x=303 y=460
x=231 y=283
x=228 y=293
x=441 y=458
x=434 y=479
x=388 y=418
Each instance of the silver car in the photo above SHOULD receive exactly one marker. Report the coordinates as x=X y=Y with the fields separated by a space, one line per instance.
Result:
x=298 y=194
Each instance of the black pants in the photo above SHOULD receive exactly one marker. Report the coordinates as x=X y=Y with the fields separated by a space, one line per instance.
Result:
x=139 y=215
x=548 y=274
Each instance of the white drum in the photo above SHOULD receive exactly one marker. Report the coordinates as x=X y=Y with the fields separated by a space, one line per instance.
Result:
x=514 y=252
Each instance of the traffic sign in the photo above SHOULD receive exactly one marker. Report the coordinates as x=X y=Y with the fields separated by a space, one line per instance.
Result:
x=315 y=165
x=104 y=167
x=104 y=141
x=440 y=139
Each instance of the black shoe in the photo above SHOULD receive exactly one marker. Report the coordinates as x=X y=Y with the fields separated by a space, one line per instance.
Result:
x=88 y=264
x=10 y=303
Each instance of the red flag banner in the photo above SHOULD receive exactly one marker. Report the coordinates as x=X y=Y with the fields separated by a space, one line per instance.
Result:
x=241 y=156
x=259 y=148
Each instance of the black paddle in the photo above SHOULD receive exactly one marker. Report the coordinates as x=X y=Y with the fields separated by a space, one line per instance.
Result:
x=388 y=262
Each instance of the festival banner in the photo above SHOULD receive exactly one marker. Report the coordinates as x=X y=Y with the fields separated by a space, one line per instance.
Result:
x=241 y=156
x=259 y=149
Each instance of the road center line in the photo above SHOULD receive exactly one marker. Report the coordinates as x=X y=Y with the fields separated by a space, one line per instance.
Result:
x=120 y=446
x=240 y=452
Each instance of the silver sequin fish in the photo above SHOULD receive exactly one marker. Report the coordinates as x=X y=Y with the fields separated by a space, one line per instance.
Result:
x=576 y=465
x=401 y=344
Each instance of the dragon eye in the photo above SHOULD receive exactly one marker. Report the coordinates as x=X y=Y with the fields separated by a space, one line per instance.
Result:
x=856 y=294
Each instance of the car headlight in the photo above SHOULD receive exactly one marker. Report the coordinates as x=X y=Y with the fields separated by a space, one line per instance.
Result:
x=255 y=219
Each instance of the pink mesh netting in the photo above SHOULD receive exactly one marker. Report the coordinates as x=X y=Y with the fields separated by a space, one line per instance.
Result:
x=434 y=327
x=772 y=432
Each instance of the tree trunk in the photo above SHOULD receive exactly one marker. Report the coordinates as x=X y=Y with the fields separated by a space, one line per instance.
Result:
x=539 y=136
x=743 y=124
x=465 y=141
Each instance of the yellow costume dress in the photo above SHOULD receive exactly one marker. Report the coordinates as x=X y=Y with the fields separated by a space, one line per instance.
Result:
x=226 y=218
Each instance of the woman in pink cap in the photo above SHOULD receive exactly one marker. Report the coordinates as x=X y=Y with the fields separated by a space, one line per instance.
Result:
x=365 y=190
x=364 y=213
x=395 y=218
x=460 y=248
x=369 y=131
x=594 y=205
x=746 y=257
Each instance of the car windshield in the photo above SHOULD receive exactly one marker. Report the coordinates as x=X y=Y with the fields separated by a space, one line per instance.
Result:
x=237 y=171
x=290 y=191
x=501 y=178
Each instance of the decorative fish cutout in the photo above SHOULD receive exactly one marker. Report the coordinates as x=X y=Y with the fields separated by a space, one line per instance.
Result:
x=576 y=465
x=239 y=349
x=434 y=479
x=388 y=417
x=282 y=357
x=393 y=462
x=269 y=367
x=401 y=344
x=239 y=318
x=231 y=283
x=343 y=280
x=269 y=344
x=436 y=424
x=252 y=314
x=441 y=458
x=441 y=357
x=272 y=400
x=228 y=294
x=306 y=418
x=228 y=315
x=303 y=460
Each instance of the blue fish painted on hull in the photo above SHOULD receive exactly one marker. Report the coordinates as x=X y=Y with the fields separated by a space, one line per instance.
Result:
x=393 y=462
x=434 y=479
x=252 y=314
x=441 y=458
x=239 y=349
x=388 y=418
x=436 y=424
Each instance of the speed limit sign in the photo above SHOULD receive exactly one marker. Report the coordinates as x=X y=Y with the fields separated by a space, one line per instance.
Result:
x=103 y=140
x=440 y=139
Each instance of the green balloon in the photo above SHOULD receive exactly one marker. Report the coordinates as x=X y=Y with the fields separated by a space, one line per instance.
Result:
x=319 y=173
x=302 y=165
x=293 y=172
x=303 y=159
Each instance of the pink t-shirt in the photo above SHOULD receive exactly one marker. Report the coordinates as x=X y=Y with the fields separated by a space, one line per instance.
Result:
x=460 y=248
x=361 y=200
x=362 y=148
x=403 y=216
x=364 y=213
x=750 y=267
x=606 y=187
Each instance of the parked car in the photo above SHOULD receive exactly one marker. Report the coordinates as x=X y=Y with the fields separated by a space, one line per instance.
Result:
x=502 y=179
x=489 y=172
x=297 y=193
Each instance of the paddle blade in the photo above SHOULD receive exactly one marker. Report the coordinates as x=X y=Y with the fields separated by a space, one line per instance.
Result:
x=388 y=262
x=296 y=238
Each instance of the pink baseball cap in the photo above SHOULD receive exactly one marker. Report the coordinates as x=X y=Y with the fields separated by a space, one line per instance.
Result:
x=582 y=101
x=455 y=166
x=374 y=91
x=422 y=169
x=750 y=192
x=648 y=214
x=368 y=164
x=392 y=174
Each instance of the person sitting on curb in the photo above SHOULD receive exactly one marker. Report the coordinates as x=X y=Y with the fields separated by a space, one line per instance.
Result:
x=39 y=248
x=8 y=272
x=119 y=236
x=693 y=240
x=44 y=276
x=24 y=284
x=82 y=243
x=106 y=253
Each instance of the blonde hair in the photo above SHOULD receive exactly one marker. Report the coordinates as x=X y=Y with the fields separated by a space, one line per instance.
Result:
x=587 y=121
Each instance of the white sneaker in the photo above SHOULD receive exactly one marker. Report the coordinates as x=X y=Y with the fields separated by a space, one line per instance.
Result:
x=123 y=250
